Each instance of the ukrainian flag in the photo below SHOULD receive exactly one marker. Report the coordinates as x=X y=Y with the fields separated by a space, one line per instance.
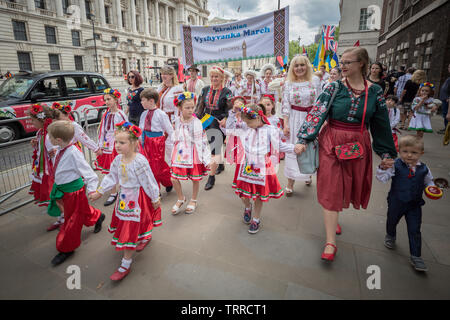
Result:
x=207 y=120
x=328 y=64
x=320 y=56
x=334 y=61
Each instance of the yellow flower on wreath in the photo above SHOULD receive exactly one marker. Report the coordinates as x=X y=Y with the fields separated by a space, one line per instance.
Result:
x=122 y=204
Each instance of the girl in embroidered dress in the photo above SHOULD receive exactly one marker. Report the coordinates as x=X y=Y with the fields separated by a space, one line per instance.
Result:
x=191 y=155
x=300 y=91
x=157 y=134
x=42 y=178
x=168 y=90
x=255 y=177
x=423 y=106
x=112 y=116
x=132 y=220
x=251 y=89
x=80 y=136
x=268 y=101
x=234 y=150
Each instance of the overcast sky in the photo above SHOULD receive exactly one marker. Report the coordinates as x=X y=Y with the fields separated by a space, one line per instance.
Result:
x=305 y=16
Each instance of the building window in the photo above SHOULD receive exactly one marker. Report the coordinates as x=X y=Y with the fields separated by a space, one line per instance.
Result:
x=54 y=61
x=97 y=36
x=114 y=39
x=124 y=25
x=165 y=50
x=107 y=16
x=106 y=65
x=174 y=51
x=24 y=61
x=363 y=19
x=40 y=4
x=143 y=44
x=155 y=48
x=65 y=5
x=155 y=63
x=20 y=30
x=50 y=34
x=76 y=38
x=87 y=5
x=130 y=41
x=78 y=62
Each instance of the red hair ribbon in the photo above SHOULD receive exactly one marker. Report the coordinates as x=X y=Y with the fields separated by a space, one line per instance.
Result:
x=270 y=96
x=263 y=117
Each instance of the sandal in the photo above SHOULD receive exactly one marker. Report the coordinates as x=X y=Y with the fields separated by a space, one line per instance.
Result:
x=190 y=208
x=176 y=209
x=288 y=192
x=309 y=182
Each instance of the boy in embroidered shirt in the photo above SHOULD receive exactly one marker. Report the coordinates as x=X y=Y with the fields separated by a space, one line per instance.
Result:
x=409 y=179
x=71 y=173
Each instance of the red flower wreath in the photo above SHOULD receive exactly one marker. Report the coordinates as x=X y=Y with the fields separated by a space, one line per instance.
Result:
x=136 y=131
x=36 y=108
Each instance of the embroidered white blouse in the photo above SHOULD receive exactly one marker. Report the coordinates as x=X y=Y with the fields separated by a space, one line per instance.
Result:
x=83 y=138
x=301 y=94
x=166 y=100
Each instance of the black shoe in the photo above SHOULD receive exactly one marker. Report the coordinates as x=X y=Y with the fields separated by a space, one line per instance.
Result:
x=111 y=199
x=61 y=257
x=220 y=168
x=98 y=224
x=210 y=183
x=168 y=189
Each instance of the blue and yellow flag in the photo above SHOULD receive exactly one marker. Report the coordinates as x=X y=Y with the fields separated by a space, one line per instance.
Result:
x=328 y=64
x=207 y=120
x=320 y=56
x=334 y=61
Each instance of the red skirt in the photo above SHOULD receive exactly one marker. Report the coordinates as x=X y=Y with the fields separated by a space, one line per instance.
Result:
x=103 y=161
x=195 y=173
x=77 y=213
x=127 y=234
x=154 y=150
x=341 y=182
x=271 y=189
x=41 y=191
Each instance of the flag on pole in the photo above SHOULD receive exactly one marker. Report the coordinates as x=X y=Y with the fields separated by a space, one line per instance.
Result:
x=328 y=64
x=328 y=36
x=280 y=62
x=180 y=71
x=334 y=61
x=304 y=53
x=356 y=44
x=320 y=56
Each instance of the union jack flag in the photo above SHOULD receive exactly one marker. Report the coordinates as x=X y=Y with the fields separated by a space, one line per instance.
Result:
x=328 y=36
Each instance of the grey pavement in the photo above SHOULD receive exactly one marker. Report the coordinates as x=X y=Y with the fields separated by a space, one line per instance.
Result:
x=210 y=254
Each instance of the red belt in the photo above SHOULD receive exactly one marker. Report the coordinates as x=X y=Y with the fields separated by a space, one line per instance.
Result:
x=303 y=109
x=335 y=124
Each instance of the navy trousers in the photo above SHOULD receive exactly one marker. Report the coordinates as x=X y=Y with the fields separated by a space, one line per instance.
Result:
x=413 y=216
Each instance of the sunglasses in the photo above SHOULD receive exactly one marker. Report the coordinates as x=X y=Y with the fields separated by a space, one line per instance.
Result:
x=131 y=77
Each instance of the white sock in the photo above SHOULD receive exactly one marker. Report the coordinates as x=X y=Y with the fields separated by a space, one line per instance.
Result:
x=256 y=220
x=125 y=264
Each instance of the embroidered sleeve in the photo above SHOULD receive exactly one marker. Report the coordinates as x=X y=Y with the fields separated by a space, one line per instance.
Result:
x=277 y=143
x=315 y=118
x=147 y=179
x=415 y=102
x=286 y=106
x=168 y=128
x=84 y=170
x=82 y=137
x=380 y=128
x=112 y=178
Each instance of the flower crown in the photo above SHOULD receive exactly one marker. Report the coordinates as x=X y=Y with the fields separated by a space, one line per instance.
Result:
x=134 y=130
x=251 y=113
x=269 y=96
x=114 y=92
x=38 y=111
x=183 y=96
x=58 y=106
x=427 y=84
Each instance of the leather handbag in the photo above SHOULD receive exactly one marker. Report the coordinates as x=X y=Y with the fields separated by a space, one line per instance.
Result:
x=308 y=161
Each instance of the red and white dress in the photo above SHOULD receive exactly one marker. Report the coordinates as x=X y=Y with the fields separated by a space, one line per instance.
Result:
x=42 y=175
x=165 y=103
x=133 y=217
x=191 y=153
x=80 y=137
x=70 y=165
x=157 y=134
x=256 y=177
x=251 y=91
x=234 y=152
x=106 y=139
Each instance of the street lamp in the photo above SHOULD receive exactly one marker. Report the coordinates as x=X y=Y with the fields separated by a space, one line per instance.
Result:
x=92 y=18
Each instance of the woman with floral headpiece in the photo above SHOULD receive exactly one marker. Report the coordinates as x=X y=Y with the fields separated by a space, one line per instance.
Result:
x=111 y=117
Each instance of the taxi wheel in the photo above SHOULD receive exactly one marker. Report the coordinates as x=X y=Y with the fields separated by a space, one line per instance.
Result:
x=8 y=132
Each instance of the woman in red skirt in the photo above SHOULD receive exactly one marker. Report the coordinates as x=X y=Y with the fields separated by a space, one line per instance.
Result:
x=138 y=204
x=255 y=177
x=344 y=176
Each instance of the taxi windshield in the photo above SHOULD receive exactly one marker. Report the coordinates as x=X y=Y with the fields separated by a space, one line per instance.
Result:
x=15 y=87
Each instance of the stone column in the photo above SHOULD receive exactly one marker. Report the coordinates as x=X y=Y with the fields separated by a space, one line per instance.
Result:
x=31 y=6
x=133 y=17
x=146 y=32
x=118 y=15
x=158 y=33
x=167 y=22
x=101 y=5
x=59 y=8
x=83 y=17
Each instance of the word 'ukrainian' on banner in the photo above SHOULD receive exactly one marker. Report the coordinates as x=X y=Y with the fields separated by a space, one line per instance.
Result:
x=263 y=36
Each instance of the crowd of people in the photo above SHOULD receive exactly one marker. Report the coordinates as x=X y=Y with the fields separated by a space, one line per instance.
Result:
x=252 y=122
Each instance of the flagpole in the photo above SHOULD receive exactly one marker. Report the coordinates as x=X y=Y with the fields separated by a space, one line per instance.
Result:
x=278 y=4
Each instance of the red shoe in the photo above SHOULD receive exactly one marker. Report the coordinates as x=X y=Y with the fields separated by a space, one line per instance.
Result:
x=338 y=229
x=329 y=256
x=116 y=276
x=141 y=246
x=54 y=226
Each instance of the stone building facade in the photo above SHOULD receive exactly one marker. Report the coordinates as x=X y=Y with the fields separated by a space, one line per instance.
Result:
x=416 y=34
x=122 y=35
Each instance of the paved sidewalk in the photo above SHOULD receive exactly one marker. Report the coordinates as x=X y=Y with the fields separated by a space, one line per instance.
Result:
x=210 y=254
